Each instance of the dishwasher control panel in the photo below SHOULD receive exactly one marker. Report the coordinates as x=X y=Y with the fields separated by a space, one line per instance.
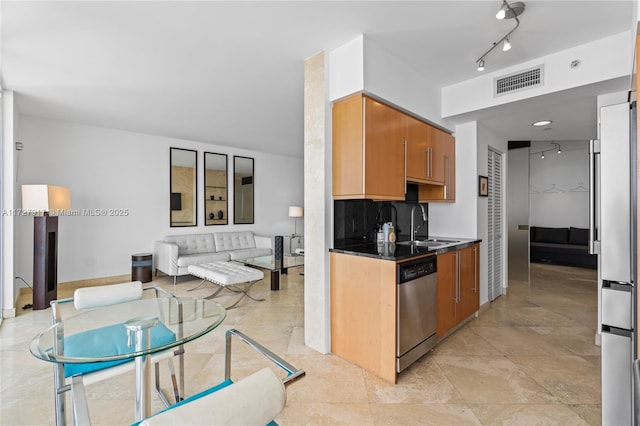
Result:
x=414 y=269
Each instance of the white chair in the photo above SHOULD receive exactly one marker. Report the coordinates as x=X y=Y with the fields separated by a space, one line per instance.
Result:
x=255 y=400
x=66 y=375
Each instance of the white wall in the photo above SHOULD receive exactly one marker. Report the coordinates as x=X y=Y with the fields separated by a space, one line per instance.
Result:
x=346 y=67
x=601 y=60
x=364 y=65
x=10 y=124
x=558 y=185
x=393 y=80
x=113 y=169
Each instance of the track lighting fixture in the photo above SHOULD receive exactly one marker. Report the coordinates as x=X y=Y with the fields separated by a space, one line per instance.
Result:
x=556 y=147
x=507 y=11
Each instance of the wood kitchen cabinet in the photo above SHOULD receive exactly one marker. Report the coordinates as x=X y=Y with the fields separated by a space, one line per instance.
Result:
x=363 y=312
x=447 y=191
x=418 y=136
x=426 y=151
x=368 y=150
x=447 y=291
x=458 y=287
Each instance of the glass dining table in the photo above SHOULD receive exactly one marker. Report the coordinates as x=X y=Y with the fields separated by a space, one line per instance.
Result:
x=185 y=319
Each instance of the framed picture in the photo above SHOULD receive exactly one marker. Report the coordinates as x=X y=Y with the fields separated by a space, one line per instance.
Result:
x=483 y=186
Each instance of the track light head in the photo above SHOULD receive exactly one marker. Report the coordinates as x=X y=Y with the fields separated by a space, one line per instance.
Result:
x=507 y=45
x=559 y=151
x=542 y=156
x=481 y=65
x=509 y=11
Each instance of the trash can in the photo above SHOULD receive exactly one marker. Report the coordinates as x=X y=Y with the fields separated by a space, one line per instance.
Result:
x=141 y=267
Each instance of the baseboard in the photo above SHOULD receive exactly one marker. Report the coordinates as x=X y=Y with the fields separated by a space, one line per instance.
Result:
x=73 y=285
x=486 y=305
x=9 y=313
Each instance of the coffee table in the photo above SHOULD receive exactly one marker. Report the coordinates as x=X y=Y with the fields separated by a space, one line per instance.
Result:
x=275 y=266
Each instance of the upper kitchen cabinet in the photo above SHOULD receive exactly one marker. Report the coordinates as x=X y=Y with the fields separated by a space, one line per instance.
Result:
x=368 y=150
x=426 y=150
x=446 y=161
x=418 y=136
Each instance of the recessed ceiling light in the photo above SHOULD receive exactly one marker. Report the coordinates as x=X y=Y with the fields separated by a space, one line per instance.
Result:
x=541 y=123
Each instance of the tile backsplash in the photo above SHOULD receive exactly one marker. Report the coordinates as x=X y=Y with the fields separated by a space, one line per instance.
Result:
x=355 y=221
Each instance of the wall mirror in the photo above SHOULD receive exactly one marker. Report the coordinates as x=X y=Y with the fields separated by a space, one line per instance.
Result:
x=183 y=200
x=242 y=190
x=215 y=189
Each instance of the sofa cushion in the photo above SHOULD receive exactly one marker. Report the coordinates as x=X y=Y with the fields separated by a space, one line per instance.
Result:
x=226 y=241
x=247 y=253
x=193 y=243
x=196 y=259
x=552 y=235
x=579 y=236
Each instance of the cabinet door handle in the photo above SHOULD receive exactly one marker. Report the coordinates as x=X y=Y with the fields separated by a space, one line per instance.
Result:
x=430 y=163
x=426 y=161
x=475 y=271
x=405 y=167
x=457 y=277
x=446 y=182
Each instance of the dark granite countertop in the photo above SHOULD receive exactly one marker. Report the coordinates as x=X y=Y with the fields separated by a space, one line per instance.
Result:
x=397 y=252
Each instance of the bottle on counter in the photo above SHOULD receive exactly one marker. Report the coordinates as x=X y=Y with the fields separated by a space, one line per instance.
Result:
x=392 y=234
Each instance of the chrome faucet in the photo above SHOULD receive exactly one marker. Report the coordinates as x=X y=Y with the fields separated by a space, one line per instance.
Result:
x=413 y=227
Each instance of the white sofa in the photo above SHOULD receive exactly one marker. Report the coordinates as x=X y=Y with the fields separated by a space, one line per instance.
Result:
x=175 y=253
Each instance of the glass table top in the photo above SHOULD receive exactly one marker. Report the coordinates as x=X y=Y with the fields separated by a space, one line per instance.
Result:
x=270 y=262
x=187 y=318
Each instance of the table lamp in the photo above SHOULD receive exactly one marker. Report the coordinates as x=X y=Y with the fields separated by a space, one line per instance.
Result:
x=295 y=212
x=44 y=200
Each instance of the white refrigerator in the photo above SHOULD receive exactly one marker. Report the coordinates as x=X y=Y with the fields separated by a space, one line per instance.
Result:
x=613 y=227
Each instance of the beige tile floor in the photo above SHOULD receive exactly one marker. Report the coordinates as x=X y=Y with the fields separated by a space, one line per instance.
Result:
x=527 y=359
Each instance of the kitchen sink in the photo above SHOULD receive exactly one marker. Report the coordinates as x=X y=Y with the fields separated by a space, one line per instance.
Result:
x=442 y=240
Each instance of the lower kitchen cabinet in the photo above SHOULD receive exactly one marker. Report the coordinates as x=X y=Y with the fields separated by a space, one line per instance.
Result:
x=363 y=312
x=458 y=287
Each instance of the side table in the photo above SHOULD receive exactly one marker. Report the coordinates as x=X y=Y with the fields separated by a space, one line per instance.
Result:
x=141 y=267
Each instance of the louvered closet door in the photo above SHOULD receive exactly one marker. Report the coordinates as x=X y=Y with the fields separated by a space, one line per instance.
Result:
x=495 y=224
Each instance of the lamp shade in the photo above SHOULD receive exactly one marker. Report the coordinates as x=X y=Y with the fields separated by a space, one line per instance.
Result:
x=295 y=211
x=45 y=198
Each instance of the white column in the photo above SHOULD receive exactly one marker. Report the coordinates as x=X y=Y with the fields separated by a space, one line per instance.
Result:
x=9 y=130
x=318 y=222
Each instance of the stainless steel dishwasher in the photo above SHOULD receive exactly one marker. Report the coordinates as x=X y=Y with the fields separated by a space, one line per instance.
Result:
x=416 y=322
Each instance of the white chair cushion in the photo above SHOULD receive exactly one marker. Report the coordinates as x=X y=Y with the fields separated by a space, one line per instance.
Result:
x=93 y=297
x=193 y=243
x=247 y=253
x=254 y=400
x=226 y=273
x=226 y=241
x=196 y=259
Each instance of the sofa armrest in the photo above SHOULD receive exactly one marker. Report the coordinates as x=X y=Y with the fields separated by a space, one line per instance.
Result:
x=166 y=257
x=263 y=242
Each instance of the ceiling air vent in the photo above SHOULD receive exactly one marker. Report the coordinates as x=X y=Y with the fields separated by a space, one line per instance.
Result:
x=521 y=80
